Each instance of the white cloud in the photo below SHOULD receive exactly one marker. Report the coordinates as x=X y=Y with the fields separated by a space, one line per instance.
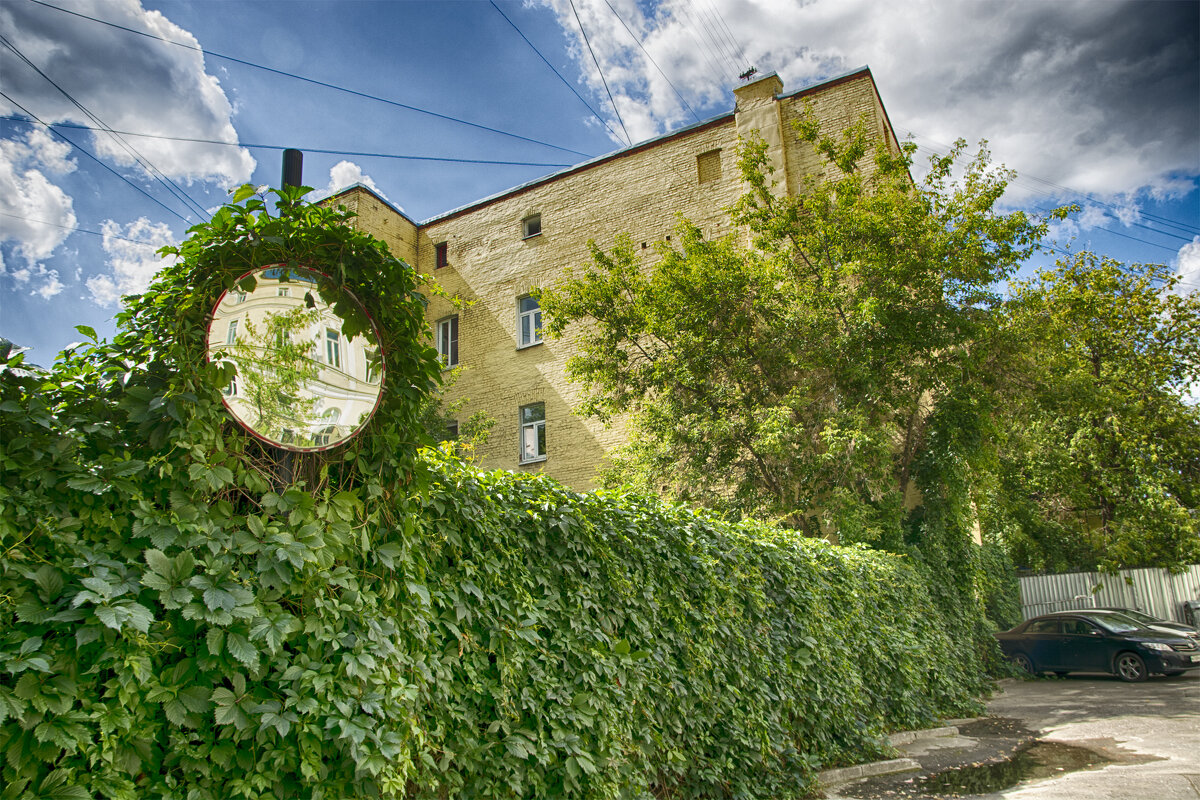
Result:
x=162 y=89
x=132 y=260
x=1187 y=266
x=343 y=175
x=1100 y=97
x=37 y=215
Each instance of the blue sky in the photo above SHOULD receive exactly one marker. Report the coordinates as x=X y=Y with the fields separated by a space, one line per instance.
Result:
x=1096 y=103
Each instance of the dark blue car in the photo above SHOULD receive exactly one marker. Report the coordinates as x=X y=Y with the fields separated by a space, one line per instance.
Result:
x=1076 y=641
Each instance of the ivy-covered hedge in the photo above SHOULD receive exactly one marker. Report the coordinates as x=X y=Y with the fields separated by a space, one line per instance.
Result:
x=176 y=621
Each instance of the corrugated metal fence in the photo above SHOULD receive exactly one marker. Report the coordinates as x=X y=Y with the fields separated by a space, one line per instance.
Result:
x=1153 y=591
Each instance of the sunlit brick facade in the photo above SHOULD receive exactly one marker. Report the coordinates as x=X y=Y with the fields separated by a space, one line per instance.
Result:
x=497 y=250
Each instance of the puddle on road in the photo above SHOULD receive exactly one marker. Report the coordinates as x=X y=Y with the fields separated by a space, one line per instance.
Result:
x=1034 y=762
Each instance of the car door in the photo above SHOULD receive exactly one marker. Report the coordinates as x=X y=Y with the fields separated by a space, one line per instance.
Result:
x=1041 y=643
x=1082 y=646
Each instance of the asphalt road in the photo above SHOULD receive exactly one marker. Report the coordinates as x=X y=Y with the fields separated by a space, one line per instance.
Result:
x=1146 y=737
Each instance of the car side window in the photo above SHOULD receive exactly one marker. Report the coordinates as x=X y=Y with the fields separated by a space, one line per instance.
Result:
x=1043 y=626
x=1077 y=627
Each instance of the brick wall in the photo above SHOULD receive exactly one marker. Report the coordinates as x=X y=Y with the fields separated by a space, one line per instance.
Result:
x=640 y=191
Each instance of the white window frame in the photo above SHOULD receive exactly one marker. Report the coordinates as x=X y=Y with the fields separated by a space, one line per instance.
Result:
x=534 y=317
x=333 y=348
x=532 y=433
x=283 y=291
x=446 y=335
x=231 y=332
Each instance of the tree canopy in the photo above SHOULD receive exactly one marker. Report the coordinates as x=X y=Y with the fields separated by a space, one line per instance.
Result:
x=793 y=375
x=1100 y=466
x=845 y=363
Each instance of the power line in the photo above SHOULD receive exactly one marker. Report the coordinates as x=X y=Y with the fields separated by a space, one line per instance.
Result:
x=83 y=150
x=316 y=82
x=617 y=111
x=554 y=69
x=710 y=23
x=686 y=18
x=652 y=61
x=253 y=146
x=1021 y=176
x=79 y=230
x=138 y=158
x=741 y=51
x=1107 y=229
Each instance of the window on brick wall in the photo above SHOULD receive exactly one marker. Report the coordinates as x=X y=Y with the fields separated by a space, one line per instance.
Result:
x=708 y=166
x=533 y=433
x=452 y=431
x=529 y=321
x=441 y=256
x=447 y=341
x=531 y=226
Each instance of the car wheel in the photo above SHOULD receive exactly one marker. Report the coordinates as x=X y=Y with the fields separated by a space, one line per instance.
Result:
x=1130 y=667
x=1023 y=663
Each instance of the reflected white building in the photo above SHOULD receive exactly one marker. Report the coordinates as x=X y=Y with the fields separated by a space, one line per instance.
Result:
x=301 y=381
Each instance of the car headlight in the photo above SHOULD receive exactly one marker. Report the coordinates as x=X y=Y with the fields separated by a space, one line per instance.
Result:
x=1155 y=645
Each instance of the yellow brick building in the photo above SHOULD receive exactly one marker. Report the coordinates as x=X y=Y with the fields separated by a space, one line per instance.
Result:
x=493 y=253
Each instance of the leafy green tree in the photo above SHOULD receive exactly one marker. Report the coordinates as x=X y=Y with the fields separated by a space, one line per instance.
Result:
x=1101 y=463
x=789 y=370
x=276 y=370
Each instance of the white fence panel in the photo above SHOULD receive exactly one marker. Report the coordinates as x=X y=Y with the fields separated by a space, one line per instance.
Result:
x=1153 y=591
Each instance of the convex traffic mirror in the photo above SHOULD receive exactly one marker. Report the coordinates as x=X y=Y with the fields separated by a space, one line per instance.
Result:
x=303 y=367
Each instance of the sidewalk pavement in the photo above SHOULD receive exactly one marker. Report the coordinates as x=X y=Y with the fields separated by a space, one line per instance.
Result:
x=1148 y=732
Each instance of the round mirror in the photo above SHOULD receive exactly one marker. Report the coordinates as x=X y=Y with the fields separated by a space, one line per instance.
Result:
x=301 y=376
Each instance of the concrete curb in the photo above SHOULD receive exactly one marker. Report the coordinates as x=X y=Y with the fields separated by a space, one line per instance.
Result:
x=832 y=777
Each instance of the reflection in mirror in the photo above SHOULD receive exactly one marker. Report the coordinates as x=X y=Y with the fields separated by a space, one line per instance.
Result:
x=296 y=379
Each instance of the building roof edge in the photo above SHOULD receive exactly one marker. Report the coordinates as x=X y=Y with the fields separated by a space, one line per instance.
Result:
x=592 y=162
x=374 y=193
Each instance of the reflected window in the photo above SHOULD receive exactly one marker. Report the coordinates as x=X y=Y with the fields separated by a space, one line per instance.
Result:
x=533 y=433
x=231 y=333
x=333 y=348
x=328 y=431
x=283 y=291
x=370 y=370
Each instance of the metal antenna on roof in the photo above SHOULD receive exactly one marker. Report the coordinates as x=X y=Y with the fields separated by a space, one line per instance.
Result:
x=748 y=74
x=293 y=167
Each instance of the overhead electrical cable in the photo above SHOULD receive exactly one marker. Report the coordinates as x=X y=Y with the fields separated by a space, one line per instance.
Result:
x=617 y=111
x=638 y=42
x=1113 y=217
x=154 y=172
x=316 y=82
x=554 y=69
x=254 y=146
x=1183 y=226
x=727 y=52
x=686 y=19
x=80 y=230
x=707 y=48
x=84 y=150
x=741 y=51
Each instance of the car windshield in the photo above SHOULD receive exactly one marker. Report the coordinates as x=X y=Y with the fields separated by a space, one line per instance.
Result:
x=1138 y=616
